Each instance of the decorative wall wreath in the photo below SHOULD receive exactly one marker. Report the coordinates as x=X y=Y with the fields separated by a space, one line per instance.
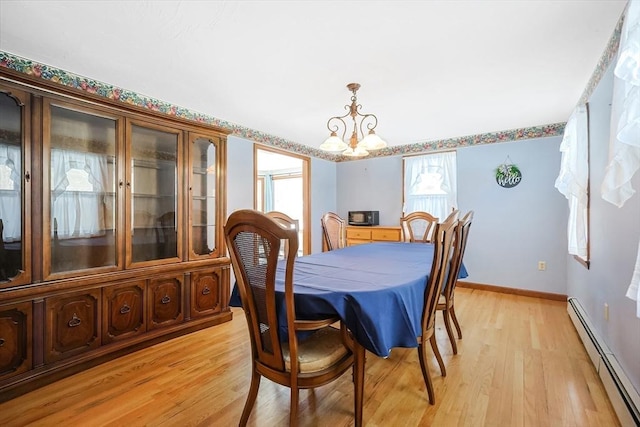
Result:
x=508 y=175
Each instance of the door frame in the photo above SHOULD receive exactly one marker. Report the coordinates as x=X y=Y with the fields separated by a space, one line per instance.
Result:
x=306 y=189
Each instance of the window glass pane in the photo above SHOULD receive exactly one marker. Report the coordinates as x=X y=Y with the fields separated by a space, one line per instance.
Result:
x=154 y=184
x=203 y=188
x=430 y=184
x=10 y=188
x=83 y=182
x=283 y=188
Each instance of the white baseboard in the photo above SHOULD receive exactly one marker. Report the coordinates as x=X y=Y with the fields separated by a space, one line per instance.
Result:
x=623 y=396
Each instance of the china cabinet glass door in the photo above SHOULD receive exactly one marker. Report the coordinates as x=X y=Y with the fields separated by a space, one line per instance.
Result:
x=203 y=188
x=14 y=215
x=154 y=183
x=82 y=202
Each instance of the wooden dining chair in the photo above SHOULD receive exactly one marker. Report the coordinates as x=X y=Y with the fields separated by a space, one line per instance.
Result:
x=446 y=299
x=443 y=236
x=254 y=241
x=333 y=231
x=418 y=227
x=453 y=216
x=284 y=220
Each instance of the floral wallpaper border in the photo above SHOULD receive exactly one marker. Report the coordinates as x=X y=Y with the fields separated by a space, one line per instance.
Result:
x=46 y=72
x=607 y=57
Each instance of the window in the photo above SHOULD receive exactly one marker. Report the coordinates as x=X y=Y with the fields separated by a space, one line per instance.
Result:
x=281 y=183
x=573 y=181
x=430 y=184
x=77 y=193
x=6 y=182
x=10 y=192
x=78 y=180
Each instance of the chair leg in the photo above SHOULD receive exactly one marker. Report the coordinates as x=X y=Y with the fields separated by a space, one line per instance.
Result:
x=293 y=411
x=447 y=325
x=434 y=346
x=455 y=322
x=358 y=383
x=422 y=357
x=251 y=398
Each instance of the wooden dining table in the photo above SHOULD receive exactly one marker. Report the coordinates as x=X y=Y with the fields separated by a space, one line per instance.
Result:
x=377 y=291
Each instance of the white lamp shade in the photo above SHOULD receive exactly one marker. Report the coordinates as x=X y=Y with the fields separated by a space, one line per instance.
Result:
x=372 y=142
x=358 y=152
x=334 y=143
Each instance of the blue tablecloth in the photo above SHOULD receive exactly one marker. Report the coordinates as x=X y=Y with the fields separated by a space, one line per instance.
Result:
x=376 y=289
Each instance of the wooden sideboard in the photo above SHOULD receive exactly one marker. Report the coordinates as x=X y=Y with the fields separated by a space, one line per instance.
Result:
x=357 y=235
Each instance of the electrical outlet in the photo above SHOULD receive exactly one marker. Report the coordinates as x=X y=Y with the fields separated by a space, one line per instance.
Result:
x=542 y=265
x=606 y=311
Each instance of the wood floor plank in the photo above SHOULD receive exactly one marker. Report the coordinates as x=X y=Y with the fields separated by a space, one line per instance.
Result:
x=520 y=363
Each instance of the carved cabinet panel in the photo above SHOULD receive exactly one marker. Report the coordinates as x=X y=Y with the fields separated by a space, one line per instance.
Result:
x=123 y=310
x=206 y=292
x=72 y=324
x=15 y=339
x=165 y=302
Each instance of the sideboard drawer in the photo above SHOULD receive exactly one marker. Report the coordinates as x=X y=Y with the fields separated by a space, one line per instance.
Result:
x=359 y=234
x=385 y=234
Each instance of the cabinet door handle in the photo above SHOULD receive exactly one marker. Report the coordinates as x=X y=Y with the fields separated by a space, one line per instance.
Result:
x=1 y=342
x=206 y=291
x=165 y=299
x=75 y=321
x=120 y=184
x=27 y=176
x=125 y=309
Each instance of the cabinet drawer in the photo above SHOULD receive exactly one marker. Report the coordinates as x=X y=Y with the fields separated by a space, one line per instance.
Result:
x=72 y=324
x=386 y=234
x=15 y=339
x=165 y=302
x=123 y=310
x=355 y=233
x=206 y=292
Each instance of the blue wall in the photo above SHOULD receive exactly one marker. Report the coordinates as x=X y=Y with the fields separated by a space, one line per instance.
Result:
x=615 y=233
x=513 y=228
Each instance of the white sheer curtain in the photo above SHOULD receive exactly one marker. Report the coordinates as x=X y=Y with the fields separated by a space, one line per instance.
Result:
x=10 y=200
x=430 y=184
x=624 y=142
x=573 y=179
x=77 y=213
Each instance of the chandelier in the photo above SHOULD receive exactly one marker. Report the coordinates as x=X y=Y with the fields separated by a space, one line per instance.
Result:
x=359 y=143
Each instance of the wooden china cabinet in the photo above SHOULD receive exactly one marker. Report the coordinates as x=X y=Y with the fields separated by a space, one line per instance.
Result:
x=111 y=222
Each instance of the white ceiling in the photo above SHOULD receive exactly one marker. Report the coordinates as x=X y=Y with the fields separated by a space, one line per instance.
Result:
x=428 y=69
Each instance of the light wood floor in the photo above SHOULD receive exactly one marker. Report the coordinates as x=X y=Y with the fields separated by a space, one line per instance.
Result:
x=520 y=363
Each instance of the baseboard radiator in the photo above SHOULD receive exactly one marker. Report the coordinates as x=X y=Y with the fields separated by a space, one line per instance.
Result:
x=622 y=394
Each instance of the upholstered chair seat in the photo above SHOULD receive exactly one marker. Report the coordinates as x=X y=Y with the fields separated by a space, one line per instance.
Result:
x=319 y=351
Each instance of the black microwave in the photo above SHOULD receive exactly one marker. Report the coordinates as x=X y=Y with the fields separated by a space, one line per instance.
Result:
x=364 y=218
